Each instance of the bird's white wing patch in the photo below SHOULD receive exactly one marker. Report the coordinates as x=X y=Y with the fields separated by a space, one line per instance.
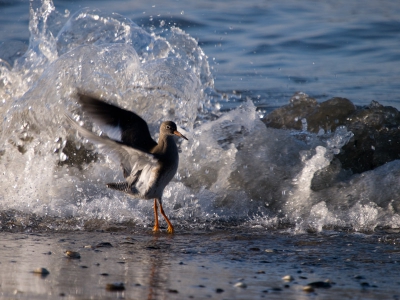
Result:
x=132 y=159
x=113 y=132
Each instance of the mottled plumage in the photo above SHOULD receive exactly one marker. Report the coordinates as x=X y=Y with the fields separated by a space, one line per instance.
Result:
x=147 y=166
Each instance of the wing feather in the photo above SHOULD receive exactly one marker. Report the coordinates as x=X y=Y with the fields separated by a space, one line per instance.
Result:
x=130 y=128
x=132 y=159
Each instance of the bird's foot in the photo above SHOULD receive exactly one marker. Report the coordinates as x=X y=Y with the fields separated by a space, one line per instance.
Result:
x=156 y=229
x=170 y=229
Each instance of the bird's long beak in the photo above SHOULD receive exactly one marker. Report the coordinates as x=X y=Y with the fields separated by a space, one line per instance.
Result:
x=180 y=134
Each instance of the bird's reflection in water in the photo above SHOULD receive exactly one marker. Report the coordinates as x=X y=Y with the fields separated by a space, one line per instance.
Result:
x=159 y=263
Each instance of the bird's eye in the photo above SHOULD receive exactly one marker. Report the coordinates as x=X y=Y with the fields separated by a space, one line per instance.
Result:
x=168 y=127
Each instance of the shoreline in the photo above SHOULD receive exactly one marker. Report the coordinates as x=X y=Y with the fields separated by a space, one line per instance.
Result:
x=224 y=264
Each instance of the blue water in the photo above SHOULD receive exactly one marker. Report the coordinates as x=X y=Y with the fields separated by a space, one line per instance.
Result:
x=267 y=50
x=241 y=202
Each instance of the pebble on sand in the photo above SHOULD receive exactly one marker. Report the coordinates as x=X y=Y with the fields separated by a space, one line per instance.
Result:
x=72 y=254
x=287 y=278
x=240 y=285
x=270 y=250
x=308 y=289
x=321 y=284
x=104 y=245
x=41 y=271
x=116 y=286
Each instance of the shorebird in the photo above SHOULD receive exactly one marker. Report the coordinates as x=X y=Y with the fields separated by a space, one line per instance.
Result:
x=147 y=166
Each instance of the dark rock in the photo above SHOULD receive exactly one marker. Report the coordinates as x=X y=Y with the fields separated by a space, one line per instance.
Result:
x=320 y=284
x=116 y=286
x=41 y=271
x=326 y=115
x=172 y=291
x=104 y=245
x=364 y=284
x=376 y=130
x=218 y=291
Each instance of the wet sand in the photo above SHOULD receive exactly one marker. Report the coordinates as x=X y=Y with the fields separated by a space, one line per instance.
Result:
x=221 y=264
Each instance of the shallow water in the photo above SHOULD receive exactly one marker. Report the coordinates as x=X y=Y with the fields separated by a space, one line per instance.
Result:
x=200 y=265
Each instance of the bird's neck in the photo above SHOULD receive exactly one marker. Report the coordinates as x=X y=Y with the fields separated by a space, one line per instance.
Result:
x=166 y=144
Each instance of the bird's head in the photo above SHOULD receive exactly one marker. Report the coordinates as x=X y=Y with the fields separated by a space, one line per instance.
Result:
x=170 y=128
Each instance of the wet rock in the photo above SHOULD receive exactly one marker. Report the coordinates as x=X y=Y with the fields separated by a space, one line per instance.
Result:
x=260 y=272
x=290 y=116
x=72 y=254
x=326 y=115
x=287 y=278
x=116 y=286
x=376 y=129
x=41 y=271
x=376 y=138
x=104 y=274
x=359 y=277
x=218 y=290
x=172 y=291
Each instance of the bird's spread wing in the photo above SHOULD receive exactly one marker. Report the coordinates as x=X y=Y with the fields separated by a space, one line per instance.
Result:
x=131 y=129
x=131 y=159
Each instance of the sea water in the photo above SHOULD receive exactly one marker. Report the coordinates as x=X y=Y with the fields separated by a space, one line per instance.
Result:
x=241 y=202
x=214 y=74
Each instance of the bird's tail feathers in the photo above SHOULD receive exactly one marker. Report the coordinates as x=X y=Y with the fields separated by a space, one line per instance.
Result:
x=123 y=187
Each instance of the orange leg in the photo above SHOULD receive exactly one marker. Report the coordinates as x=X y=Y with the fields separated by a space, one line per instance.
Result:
x=170 y=228
x=156 y=227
